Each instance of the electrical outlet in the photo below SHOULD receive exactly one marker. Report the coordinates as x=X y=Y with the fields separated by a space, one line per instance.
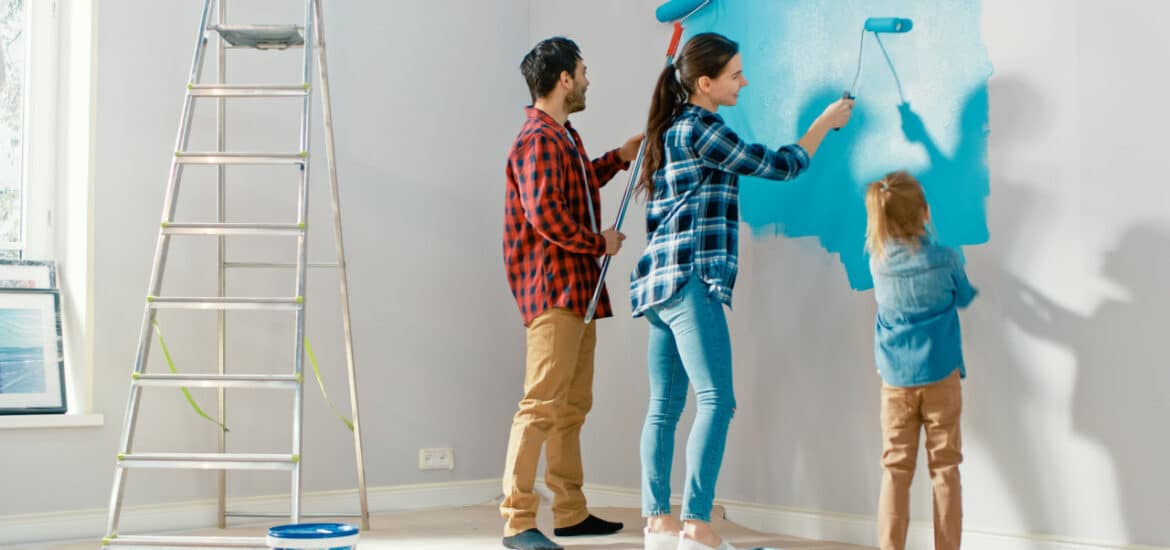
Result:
x=436 y=459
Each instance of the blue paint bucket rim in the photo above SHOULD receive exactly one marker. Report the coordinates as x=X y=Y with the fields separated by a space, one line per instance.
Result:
x=312 y=535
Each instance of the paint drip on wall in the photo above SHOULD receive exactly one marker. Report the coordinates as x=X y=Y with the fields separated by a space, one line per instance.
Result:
x=800 y=55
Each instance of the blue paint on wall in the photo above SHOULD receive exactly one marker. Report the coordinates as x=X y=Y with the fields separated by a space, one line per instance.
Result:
x=799 y=55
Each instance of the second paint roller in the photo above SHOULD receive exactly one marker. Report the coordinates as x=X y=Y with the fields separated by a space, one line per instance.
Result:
x=878 y=26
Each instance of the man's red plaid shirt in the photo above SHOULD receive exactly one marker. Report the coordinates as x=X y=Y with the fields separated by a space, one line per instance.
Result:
x=551 y=246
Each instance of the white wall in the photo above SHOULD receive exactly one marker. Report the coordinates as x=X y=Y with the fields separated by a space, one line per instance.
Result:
x=1066 y=399
x=420 y=161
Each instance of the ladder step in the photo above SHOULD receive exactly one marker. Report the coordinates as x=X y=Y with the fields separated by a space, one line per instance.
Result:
x=245 y=90
x=283 y=265
x=259 y=229
x=257 y=381
x=261 y=37
x=208 y=461
x=188 y=157
x=160 y=302
x=161 y=541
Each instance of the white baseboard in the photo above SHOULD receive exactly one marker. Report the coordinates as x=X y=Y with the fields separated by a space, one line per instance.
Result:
x=811 y=524
x=852 y=529
x=91 y=523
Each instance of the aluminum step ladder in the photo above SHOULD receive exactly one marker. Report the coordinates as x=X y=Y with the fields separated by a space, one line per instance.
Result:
x=309 y=37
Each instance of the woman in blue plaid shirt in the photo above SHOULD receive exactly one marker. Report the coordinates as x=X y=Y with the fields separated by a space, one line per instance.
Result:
x=686 y=274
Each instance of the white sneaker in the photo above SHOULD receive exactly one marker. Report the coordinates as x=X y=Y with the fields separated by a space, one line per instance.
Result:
x=691 y=544
x=659 y=541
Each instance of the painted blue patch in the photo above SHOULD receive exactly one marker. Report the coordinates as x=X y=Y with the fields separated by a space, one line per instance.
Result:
x=799 y=55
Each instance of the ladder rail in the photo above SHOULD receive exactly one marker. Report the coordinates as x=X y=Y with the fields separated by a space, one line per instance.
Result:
x=302 y=259
x=159 y=263
x=318 y=37
x=221 y=260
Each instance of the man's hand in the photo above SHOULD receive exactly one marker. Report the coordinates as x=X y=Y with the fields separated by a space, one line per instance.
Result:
x=613 y=241
x=629 y=150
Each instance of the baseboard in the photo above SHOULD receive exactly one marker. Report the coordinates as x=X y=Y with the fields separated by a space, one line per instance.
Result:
x=852 y=529
x=811 y=524
x=91 y=523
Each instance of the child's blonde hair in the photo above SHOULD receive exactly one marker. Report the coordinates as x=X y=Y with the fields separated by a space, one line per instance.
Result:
x=895 y=208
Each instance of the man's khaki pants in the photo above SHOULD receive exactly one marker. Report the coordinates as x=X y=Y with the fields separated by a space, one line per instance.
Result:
x=558 y=392
x=905 y=413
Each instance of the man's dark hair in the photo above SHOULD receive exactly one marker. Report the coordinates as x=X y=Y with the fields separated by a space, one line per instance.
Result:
x=543 y=65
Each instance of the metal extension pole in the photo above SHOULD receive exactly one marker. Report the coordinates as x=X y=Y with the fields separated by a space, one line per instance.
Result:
x=635 y=169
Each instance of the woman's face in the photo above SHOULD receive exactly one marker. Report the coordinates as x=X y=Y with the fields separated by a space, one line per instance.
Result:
x=724 y=89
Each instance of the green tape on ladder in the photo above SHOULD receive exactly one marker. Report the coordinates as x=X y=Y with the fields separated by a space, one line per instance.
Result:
x=171 y=364
x=321 y=384
x=300 y=378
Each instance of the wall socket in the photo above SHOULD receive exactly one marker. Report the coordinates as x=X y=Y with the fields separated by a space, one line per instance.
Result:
x=436 y=459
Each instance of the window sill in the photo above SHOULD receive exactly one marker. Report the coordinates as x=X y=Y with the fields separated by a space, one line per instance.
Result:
x=37 y=421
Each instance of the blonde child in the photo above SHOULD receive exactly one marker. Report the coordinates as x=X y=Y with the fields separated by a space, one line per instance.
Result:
x=919 y=286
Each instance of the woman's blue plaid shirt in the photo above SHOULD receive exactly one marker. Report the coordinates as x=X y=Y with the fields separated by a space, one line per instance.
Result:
x=692 y=221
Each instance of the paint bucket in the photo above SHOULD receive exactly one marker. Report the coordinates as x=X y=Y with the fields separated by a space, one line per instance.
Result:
x=313 y=536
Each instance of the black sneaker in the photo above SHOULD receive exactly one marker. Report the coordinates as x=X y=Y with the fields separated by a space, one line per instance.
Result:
x=592 y=525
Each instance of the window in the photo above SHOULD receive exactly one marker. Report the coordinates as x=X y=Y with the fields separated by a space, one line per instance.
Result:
x=13 y=32
x=47 y=102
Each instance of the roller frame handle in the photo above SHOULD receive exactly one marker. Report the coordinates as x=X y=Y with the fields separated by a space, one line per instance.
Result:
x=629 y=192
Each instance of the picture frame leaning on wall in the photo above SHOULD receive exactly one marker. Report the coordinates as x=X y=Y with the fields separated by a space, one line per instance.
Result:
x=32 y=365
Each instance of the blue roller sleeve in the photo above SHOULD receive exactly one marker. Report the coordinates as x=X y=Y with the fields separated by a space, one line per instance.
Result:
x=676 y=9
x=885 y=24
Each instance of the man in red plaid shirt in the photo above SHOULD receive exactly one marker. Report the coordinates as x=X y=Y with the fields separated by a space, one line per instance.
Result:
x=552 y=245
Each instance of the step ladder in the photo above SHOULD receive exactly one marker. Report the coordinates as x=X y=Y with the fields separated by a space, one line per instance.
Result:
x=310 y=38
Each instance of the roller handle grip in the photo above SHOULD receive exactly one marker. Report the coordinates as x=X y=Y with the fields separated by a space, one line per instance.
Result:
x=674 y=40
x=844 y=95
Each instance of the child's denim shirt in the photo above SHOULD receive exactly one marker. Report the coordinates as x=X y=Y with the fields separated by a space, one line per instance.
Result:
x=918 y=293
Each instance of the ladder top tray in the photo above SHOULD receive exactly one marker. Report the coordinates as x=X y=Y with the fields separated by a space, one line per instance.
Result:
x=263 y=37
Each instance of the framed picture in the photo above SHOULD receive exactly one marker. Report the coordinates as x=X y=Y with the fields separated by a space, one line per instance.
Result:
x=32 y=366
x=27 y=274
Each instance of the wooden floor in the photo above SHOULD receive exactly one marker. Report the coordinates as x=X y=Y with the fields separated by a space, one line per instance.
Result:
x=479 y=527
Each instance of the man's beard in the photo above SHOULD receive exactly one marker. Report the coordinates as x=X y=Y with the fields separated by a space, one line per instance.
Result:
x=575 y=102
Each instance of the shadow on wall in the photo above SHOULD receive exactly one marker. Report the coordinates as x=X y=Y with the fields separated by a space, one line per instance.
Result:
x=1115 y=387
x=1117 y=384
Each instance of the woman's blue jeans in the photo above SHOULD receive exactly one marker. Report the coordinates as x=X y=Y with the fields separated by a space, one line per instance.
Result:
x=689 y=343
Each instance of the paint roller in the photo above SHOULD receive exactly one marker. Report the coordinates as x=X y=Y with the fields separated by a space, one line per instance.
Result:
x=879 y=25
x=674 y=11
